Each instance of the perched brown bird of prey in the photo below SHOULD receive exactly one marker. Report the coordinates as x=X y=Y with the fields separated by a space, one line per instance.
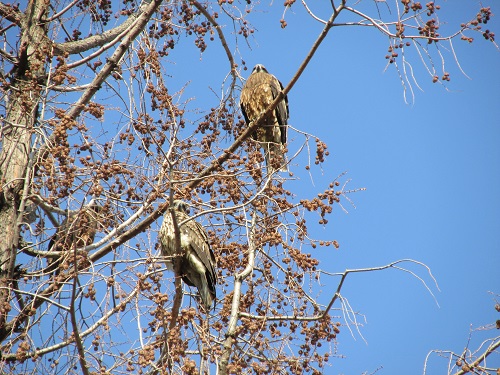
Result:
x=76 y=231
x=259 y=91
x=197 y=261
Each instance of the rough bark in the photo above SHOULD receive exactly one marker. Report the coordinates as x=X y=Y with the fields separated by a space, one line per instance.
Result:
x=18 y=126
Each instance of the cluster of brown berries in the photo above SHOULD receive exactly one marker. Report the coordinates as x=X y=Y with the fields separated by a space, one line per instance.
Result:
x=95 y=109
x=321 y=151
x=408 y=4
x=392 y=51
x=488 y=35
x=484 y=15
x=93 y=7
x=431 y=8
x=430 y=30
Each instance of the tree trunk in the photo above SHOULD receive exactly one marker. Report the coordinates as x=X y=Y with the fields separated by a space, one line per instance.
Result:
x=19 y=122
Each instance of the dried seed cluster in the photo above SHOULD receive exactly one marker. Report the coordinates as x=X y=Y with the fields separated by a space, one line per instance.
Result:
x=158 y=146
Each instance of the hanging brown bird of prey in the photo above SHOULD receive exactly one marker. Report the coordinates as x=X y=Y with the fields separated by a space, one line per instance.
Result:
x=259 y=91
x=197 y=261
x=76 y=231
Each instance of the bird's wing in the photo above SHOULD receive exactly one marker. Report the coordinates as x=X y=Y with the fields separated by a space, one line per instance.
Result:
x=191 y=232
x=199 y=243
x=167 y=236
x=255 y=95
x=79 y=229
x=282 y=108
x=242 y=106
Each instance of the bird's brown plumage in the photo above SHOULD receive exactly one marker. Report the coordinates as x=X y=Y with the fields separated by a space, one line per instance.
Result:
x=76 y=231
x=259 y=91
x=197 y=261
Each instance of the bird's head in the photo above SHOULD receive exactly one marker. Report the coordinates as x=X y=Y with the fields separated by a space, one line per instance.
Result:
x=94 y=209
x=259 y=68
x=181 y=206
x=93 y=205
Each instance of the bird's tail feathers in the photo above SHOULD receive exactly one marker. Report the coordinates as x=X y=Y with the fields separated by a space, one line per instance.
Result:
x=206 y=295
x=196 y=274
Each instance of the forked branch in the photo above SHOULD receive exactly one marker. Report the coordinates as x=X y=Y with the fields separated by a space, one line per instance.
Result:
x=472 y=367
x=235 y=305
x=227 y=153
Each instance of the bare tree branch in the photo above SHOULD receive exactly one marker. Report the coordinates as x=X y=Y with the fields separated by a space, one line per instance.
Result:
x=74 y=322
x=49 y=349
x=98 y=40
x=217 y=164
x=134 y=144
x=11 y=13
x=222 y=38
x=235 y=306
x=467 y=368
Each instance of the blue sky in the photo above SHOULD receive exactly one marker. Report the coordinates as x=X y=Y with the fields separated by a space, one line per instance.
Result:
x=432 y=175
x=431 y=169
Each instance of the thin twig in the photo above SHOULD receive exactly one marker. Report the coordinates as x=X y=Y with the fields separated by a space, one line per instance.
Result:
x=217 y=163
x=88 y=331
x=470 y=367
x=74 y=322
